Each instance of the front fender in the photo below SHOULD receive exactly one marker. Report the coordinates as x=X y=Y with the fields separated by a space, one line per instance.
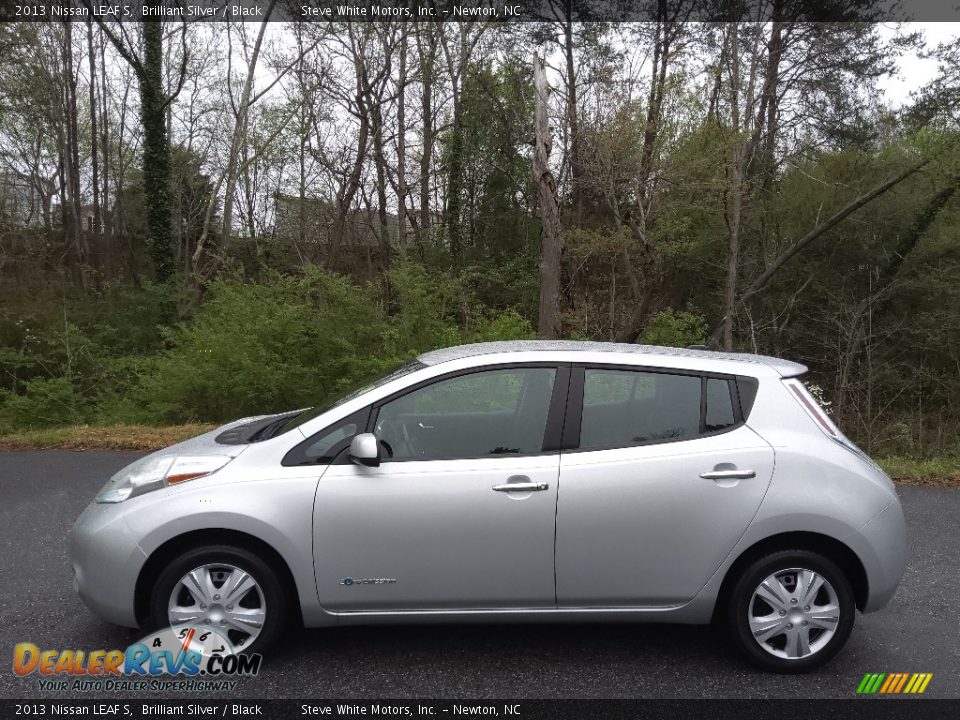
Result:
x=278 y=512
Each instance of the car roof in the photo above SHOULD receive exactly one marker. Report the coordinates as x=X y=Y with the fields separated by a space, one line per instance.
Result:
x=628 y=354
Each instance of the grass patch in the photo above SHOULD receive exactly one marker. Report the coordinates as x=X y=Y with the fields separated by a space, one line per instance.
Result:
x=92 y=437
x=943 y=470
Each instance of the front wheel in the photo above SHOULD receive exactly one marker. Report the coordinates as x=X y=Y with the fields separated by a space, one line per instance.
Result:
x=225 y=588
x=791 y=611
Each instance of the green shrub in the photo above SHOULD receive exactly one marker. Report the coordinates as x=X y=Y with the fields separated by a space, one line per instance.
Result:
x=505 y=325
x=280 y=343
x=424 y=309
x=265 y=347
x=675 y=328
x=44 y=402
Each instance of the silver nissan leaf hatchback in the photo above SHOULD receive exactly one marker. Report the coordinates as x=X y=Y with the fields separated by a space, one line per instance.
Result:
x=513 y=481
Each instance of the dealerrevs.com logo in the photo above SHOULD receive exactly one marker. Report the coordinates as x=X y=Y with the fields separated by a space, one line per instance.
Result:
x=184 y=658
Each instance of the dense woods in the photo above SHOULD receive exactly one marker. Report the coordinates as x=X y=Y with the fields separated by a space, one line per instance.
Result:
x=200 y=221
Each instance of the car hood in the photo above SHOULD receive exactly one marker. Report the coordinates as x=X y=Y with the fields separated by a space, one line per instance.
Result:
x=207 y=444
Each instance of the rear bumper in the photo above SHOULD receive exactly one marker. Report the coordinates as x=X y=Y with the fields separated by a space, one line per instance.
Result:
x=881 y=545
x=106 y=561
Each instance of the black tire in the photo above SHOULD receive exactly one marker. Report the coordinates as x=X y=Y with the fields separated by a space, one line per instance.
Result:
x=739 y=602
x=273 y=595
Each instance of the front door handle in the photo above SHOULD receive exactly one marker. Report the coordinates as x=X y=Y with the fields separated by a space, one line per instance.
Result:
x=728 y=475
x=521 y=487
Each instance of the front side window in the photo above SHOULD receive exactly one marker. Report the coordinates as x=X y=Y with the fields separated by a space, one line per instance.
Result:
x=328 y=444
x=482 y=414
x=626 y=407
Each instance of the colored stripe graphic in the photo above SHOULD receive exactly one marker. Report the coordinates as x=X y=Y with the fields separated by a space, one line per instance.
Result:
x=894 y=683
x=891 y=680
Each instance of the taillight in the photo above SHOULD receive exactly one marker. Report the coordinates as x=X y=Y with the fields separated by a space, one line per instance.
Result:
x=813 y=409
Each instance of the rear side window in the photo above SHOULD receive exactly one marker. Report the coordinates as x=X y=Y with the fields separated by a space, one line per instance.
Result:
x=622 y=408
x=626 y=407
x=719 y=413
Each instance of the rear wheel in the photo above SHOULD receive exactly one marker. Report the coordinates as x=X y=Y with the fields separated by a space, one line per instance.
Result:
x=791 y=611
x=225 y=588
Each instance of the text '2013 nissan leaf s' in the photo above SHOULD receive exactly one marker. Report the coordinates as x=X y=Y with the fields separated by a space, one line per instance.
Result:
x=521 y=481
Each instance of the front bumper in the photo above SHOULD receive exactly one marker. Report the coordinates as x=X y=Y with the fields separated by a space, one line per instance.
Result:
x=106 y=562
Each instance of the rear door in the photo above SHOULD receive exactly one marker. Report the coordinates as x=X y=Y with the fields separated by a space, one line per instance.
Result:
x=661 y=485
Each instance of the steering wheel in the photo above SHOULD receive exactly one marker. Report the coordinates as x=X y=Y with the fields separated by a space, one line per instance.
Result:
x=386 y=446
x=386 y=428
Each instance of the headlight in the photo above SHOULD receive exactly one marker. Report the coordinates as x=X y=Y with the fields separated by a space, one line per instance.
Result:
x=153 y=473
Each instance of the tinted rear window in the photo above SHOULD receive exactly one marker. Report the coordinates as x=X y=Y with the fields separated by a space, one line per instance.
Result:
x=719 y=405
x=627 y=407
x=622 y=408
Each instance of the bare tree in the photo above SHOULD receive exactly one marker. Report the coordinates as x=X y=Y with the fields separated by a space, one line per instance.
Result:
x=241 y=109
x=154 y=100
x=548 y=323
x=428 y=45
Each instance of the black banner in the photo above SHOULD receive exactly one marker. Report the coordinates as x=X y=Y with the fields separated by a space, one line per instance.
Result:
x=478 y=10
x=855 y=709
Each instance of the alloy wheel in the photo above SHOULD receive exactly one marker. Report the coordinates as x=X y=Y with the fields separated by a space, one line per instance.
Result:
x=224 y=597
x=793 y=613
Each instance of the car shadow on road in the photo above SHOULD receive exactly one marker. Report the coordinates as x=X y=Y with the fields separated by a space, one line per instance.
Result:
x=568 y=658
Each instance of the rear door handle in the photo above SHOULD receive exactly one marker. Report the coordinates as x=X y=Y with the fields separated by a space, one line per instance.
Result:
x=521 y=487
x=728 y=475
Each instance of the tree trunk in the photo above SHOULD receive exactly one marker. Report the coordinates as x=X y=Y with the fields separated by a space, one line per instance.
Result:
x=455 y=170
x=455 y=184
x=658 y=80
x=156 y=154
x=428 y=56
x=820 y=229
x=548 y=324
x=766 y=125
x=740 y=152
x=94 y=139
x=573 y=125
x=240 y=127
x=380 y=161
x=402 y=145
x=107 y=210
x=885 y=281
x=72 y=165
x=734 y=215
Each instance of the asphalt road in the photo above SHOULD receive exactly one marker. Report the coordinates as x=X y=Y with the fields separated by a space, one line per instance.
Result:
x=44 y=492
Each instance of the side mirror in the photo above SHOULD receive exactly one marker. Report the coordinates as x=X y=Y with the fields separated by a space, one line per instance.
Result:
x=365 y=450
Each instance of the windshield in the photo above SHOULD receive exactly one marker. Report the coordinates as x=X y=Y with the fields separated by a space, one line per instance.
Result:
x=360 y=389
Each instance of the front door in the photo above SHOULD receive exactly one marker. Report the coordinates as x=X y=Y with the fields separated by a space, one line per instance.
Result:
x=460 y=514
x=664 y=483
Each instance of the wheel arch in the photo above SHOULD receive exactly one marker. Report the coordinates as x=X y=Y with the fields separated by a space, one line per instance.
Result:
x=166 y=552
x=830 y=547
